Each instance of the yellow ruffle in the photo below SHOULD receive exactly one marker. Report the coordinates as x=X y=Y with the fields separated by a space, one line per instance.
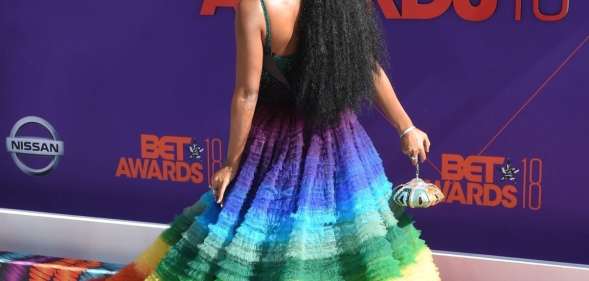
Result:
x=422 y=269
x=149 y=259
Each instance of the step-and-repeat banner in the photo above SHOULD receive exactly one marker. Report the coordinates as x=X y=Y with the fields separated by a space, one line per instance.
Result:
x=120 y=109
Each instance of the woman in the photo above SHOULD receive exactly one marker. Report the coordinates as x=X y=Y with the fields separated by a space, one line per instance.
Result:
x=302 y=194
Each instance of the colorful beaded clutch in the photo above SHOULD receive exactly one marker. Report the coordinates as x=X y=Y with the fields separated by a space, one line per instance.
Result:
x=417 y=193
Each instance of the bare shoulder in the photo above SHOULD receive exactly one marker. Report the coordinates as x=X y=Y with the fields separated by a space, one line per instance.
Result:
x=249 y=9
x=249 y=15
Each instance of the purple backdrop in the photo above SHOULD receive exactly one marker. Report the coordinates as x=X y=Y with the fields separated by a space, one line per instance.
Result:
x=106 y=73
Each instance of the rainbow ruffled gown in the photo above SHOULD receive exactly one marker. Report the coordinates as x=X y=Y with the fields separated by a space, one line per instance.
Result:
x=304 y=207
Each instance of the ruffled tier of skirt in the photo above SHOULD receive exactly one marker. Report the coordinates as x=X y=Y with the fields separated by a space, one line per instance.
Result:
x=302 y=207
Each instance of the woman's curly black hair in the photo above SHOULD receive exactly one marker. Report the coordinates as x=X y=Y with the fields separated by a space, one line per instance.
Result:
x=341 y=46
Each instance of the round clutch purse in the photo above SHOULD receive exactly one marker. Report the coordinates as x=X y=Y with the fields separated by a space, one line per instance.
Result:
x=417 y=193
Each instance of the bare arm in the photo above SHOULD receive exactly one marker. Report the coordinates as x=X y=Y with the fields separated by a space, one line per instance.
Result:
x=247 y=79
x=249 y=57
x=415 y=142
x=387 y=101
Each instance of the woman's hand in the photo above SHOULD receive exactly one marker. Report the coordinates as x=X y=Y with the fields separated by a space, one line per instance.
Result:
x=220 y=181
x=415 y=144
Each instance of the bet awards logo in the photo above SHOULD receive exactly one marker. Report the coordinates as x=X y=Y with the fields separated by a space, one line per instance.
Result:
x=491 y=181
x=171 y=158
x=480 y=10
x=34 y=145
